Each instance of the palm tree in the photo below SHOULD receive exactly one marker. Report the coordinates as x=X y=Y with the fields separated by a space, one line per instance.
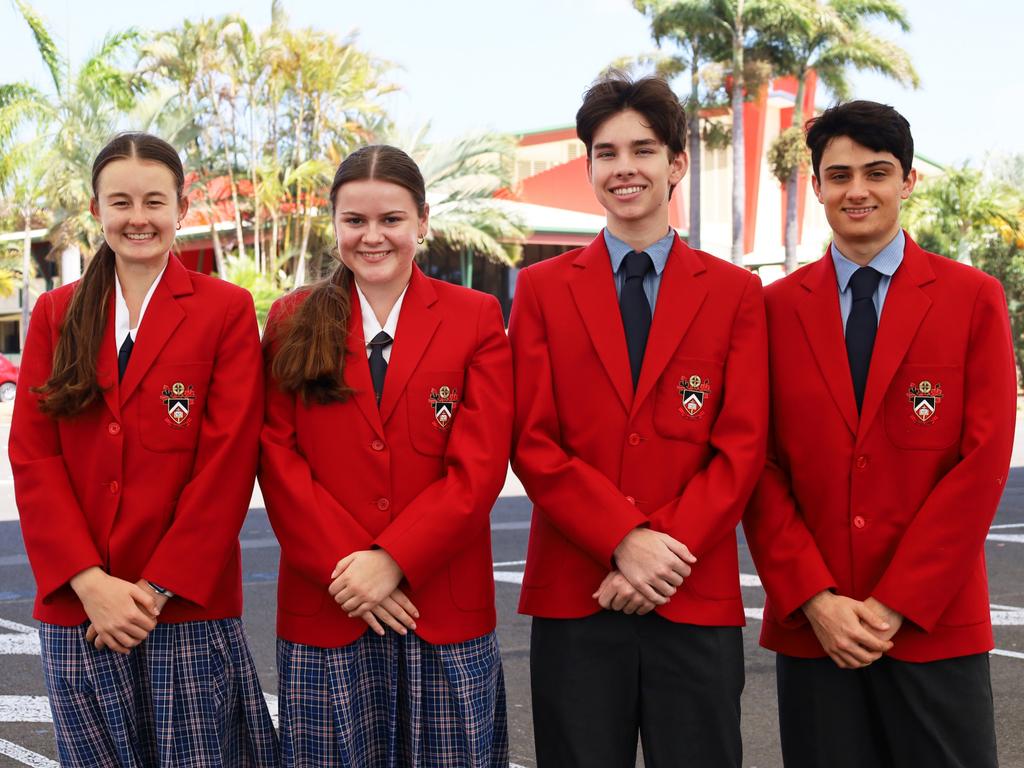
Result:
x=829 y=37
x=461 y=177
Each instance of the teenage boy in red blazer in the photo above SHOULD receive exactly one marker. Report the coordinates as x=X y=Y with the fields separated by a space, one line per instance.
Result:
x=639 y=441
x=893 y=398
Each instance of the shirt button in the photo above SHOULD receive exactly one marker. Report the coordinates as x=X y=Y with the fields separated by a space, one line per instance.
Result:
x=631 y=500
x=114 y=486
x=114 y=428
x=634 y=438
x=859 y=522
x=377 y=445
x=383 y=505
x=862 y=461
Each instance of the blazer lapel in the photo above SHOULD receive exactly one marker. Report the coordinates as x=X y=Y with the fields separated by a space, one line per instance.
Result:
x=417 y=323
x=905 y=308
x=593 y=289
x=823 y=325
x=680 y=297
x=357 y=368
x=106 y=362
x=162 y=318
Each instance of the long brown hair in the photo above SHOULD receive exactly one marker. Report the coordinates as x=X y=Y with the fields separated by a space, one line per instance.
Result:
x=309 y=348
x=73 y=385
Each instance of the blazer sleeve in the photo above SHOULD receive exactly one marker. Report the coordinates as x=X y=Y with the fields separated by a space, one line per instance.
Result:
x=563 y=488
x=213 y=504
x=451 y=513
x=788 y=561
x=948 y=532
x=57 y=536
x=314 y=530
x=714 y=499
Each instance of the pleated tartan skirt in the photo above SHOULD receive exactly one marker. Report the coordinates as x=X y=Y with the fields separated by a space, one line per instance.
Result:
x=393 y=702
x=187 y=697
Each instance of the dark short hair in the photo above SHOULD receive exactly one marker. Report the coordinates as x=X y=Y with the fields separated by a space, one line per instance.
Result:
x=383 y=163
x=876 y=126
x=650 y=96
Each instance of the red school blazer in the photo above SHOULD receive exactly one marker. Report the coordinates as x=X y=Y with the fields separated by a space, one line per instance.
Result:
x=416 y=477
x=154 y=480
x=681 y=455
x=895 y=503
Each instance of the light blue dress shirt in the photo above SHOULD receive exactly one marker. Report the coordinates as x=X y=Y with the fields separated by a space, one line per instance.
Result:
x=658 y=252
x=887 y=261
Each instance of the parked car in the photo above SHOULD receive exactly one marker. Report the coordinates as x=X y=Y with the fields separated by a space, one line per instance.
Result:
x=8 y=379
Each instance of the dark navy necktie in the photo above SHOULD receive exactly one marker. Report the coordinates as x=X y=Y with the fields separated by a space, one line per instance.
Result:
x=861 y=326
x=378 y=365
x=636 y=310
x=123 y=354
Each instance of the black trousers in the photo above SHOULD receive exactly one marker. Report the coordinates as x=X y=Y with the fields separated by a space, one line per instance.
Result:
x=599 y=681
x=891 y=714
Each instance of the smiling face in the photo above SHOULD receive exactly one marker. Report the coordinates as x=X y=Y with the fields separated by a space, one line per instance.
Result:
x=631 y=172
x=862 y=190
x=377 y=225
x=138 y=207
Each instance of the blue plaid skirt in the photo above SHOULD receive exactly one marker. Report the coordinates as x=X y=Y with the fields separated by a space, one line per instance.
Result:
x=393 y=702
x=187 y=697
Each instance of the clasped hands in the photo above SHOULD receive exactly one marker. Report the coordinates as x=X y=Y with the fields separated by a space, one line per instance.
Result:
x=853 y=633
x=650 y=567
x=121 y=614
x=365 y=585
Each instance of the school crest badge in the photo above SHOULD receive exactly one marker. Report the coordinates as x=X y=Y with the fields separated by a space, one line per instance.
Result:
x=178 y=399
x=924 y=400
x=694 y=391
x=443 y=401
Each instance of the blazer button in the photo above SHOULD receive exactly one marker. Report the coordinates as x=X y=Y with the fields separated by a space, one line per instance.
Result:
x=114 y=428
x=631 y=500
x=114 y=486
x=377 y=445
x=862 y=462
x=859 y=522
x=634 y=438
x=383 y=505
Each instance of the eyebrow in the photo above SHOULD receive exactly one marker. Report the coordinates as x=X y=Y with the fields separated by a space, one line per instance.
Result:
x=154 y=193
x=359 y=213
x=872 y=164
x=636 y=143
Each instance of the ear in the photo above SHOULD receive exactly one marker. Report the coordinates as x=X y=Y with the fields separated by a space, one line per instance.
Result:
x=908 y=184
x=421 y=230
x=816 y=186
x=678 y=166
x=94 y=207
x=182 y=209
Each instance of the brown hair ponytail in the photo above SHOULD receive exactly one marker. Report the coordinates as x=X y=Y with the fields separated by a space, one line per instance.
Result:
x=309 y=349
x=73 y=385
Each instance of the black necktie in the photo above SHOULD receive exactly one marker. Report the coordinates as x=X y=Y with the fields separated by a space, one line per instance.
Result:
x=378 y=365
x=636 y=310
x=860 y=328
x=123 y=354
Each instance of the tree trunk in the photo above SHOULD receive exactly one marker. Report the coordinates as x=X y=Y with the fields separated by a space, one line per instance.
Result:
x=26 y=271
x=793 y=185
x=695 y=152
x=466 y=259
x=738 y=155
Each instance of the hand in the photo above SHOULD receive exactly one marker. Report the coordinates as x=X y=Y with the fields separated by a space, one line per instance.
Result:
x=396 y=611
x=847 y=629
x=363 y=579
x=92 y=635
x=654 y=563
x=122 y=614
x=617 y=594
x=888 y=615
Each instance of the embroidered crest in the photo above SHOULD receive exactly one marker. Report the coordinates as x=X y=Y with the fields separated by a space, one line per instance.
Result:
x=924 y=399
x=178 y=398
x=694 y=392
x=443 y=400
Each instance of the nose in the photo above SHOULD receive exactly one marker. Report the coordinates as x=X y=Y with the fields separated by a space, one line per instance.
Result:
x=137 y=215
x=373 y=234
x=858 y=188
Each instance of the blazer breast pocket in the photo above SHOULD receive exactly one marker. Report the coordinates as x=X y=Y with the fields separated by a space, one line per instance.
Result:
x=687 y=399
x=924 y=406
x=433 y=399
x=172 y=397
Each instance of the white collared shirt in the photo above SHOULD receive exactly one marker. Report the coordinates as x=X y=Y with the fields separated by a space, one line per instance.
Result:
x=121 y=317
x=371 y=327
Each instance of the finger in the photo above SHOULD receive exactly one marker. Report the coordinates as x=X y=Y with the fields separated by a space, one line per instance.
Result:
x=645 y=607
x=370 y=619
x=354 y=603
x=144 y=599
x=870 y=641
x=342 y=565
x=98 y=642
x=680 y=550
x=385 y=617
x=675 y=578
x=871 y=618
x=399 y=597
x=119 y=642
x=683 y=569
x=393 y=607
x=619 y=600
x=90 y=634
x=663 y=587
x=648 y=591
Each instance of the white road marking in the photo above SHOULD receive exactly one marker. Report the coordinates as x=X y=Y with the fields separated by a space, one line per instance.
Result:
x=1006 y=525
x=25 y=709
x=24 y=641
x=24 y=756
x=1016 y=538
x=509 y=562
x=509 y=577
x=272 y=707
x=1010 y=654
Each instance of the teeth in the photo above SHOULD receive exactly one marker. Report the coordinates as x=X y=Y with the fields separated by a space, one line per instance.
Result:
x=858 y=210
x=626 y=190
x=139 y=236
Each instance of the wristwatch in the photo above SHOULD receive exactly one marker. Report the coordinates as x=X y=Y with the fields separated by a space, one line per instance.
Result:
x=162 y=591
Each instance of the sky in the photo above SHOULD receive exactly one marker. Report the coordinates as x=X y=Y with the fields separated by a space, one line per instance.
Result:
x=466 y=65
